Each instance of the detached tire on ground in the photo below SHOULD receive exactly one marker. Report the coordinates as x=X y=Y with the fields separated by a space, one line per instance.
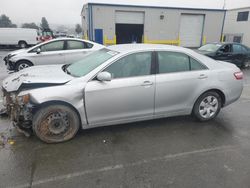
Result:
x=207 y=106
x=22 y=65
x=56 y=123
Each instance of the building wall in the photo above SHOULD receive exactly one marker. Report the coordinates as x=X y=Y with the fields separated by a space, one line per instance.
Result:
x=85 y=18
x=234 y=27
x=154 y=27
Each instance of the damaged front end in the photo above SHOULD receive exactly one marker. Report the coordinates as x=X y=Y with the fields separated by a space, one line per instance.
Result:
x=20 y=111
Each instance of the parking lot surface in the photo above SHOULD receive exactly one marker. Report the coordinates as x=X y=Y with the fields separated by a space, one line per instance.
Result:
x=169 y=152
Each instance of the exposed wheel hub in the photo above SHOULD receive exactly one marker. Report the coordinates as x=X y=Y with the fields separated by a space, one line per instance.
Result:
x=58 y=123
x=23 y=66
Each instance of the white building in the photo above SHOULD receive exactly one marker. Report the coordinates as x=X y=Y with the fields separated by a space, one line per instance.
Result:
x=237 y=26
x=188 y=24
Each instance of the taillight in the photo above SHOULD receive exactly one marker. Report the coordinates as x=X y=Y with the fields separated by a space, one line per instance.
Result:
x=238 y=75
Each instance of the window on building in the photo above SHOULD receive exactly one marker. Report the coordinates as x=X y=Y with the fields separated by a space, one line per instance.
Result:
x=237 y=39
x=243 y=16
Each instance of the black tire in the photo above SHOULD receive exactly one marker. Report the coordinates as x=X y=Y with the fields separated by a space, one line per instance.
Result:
x=22 y=44
x=207 y=106
x=245 y=64
x=20 y=65
x=56 y=123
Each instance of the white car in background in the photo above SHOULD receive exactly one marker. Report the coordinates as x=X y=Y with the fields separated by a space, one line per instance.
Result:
x=57 y=51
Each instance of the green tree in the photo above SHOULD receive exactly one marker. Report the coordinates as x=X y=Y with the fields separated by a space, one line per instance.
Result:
x=44 y=23
x=78 y=29
x=6 y=22
x=30 y=25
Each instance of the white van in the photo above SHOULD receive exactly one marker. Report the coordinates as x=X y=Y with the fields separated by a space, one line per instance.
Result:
x=18 y=36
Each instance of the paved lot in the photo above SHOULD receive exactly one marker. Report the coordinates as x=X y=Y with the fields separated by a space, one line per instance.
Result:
x=170 y=152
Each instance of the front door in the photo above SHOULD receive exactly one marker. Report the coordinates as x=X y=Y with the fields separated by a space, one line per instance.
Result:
x=51 y=53
x=224 y=53
x=128 y=96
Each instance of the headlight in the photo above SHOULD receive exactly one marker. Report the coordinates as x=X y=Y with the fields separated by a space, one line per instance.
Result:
x=11 y=55
x=24 y=99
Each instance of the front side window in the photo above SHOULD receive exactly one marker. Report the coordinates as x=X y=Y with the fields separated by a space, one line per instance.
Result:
x=226 y=48
x=52 y=46
x=138 y=64
x=170 y=62
x=243 y=16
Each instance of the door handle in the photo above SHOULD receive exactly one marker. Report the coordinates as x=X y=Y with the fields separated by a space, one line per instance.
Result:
x=147 y=83
x=60 y=54
x=202 y=76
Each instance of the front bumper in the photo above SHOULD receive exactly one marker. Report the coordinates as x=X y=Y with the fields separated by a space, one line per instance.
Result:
x=10 y=65
x=20 y=115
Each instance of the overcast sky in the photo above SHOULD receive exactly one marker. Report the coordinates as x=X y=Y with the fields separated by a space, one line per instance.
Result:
x=68 y=11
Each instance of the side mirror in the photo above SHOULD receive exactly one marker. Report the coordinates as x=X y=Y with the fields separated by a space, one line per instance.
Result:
x=38 y=51
x=104 y=76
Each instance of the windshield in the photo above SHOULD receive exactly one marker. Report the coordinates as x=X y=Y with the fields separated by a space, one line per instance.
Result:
x=90 y=62
x=210 y=47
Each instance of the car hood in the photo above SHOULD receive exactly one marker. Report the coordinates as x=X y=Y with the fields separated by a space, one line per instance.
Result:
x=18 y=51
x=36 y=77
x=205 y=52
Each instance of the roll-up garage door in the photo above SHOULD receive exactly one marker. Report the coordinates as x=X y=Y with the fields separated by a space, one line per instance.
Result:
x=127 y=17
x=191 y=29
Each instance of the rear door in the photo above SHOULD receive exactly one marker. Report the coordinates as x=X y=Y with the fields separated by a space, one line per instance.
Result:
x=128 y=96
x=239 y=55
x=178 y=83
x=76 y=50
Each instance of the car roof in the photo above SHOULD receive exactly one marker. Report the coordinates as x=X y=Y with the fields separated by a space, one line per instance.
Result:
x=75 y=39
x=222 y=43
x=126 y=48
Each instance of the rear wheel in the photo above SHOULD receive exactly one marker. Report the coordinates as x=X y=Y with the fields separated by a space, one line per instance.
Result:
x=207 y=106
x=56 y=123
x=245 y=64
x=22 y=65
x=22 y=44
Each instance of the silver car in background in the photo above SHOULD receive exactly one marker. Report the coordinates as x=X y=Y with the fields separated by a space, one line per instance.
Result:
x=119 y=84
x=57 y=51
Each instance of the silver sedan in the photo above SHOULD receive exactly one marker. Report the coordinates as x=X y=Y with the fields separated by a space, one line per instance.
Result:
x=56 y=51
x=119 y=84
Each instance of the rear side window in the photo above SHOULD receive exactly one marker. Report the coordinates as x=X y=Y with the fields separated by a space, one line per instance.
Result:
x=74 y=45
x=237 y=48
x=170 y=62
x=88 y=45
x=195 y=65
